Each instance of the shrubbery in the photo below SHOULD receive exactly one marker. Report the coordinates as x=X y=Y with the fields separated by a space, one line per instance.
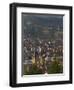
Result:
x=33 y=70
x=53 y=68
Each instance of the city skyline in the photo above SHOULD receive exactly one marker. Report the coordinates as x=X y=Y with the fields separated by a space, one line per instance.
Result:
x=42 y=44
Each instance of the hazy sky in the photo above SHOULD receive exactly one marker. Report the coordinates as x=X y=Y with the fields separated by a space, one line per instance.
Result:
x=47 y=20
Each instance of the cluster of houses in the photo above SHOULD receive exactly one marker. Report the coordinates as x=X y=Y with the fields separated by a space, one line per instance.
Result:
x=42 y=52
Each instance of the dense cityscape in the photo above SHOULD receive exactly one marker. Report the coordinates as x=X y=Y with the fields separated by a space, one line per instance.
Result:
x=42 y=44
